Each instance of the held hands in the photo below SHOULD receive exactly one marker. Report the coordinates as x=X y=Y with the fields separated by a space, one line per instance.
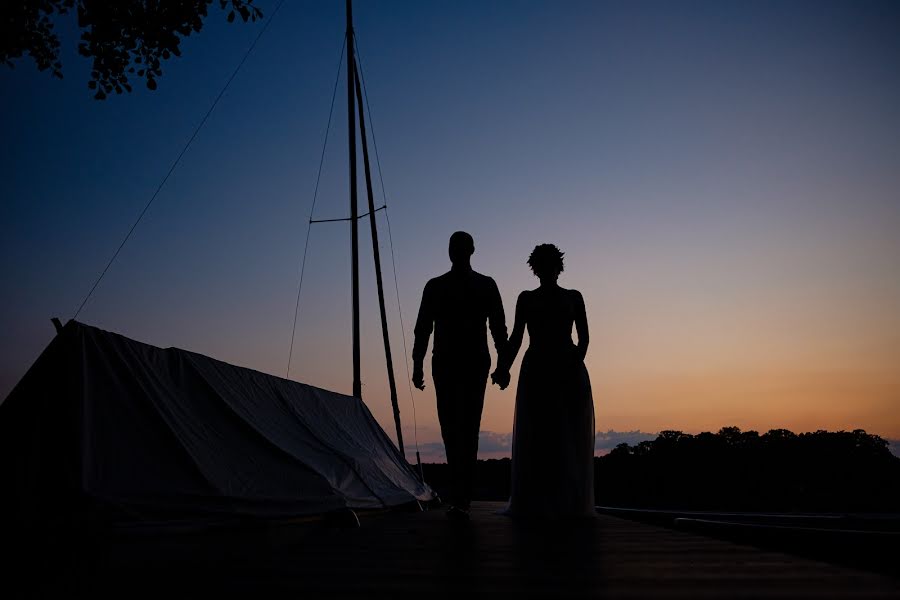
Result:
x=418 y=377
x=500 y=378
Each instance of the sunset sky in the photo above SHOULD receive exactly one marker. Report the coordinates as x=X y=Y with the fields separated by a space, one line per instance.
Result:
x=724 y=178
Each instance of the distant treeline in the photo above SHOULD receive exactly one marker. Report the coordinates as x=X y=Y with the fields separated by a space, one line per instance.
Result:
x=821 y=471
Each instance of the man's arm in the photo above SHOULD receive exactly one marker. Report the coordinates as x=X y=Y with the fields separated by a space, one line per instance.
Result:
x=505 y=359
x=496 y=318
x=422 y=332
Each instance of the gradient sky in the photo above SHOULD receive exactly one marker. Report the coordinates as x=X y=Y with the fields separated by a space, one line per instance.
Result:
x=723 y=176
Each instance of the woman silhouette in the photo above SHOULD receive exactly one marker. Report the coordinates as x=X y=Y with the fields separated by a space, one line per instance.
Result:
x=553 y=433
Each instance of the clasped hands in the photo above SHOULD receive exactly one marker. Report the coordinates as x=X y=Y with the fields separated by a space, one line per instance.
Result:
x=500 y=377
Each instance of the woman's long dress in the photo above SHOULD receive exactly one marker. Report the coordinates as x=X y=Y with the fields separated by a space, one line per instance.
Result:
x=553 y=433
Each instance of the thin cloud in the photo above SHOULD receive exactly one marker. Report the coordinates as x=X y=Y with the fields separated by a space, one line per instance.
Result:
x=606 y=441
x=492 y=444
x=431 y=452
x=893 y=446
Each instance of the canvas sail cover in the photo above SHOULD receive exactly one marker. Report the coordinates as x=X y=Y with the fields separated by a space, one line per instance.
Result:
x=101 y=419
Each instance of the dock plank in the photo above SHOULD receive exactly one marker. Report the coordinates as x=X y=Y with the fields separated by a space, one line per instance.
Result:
x=425 y=555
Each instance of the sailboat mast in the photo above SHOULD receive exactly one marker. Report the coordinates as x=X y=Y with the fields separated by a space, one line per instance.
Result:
x=354 y=99
x=392 y=383
x=354 y=228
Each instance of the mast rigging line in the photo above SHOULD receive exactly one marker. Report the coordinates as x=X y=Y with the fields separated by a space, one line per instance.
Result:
x=412 y=400
x=312 y=209
x=312 y=221
x=376 y=255
x=180 y=155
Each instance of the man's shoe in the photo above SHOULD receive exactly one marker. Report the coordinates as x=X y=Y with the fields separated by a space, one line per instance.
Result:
x=456 y=513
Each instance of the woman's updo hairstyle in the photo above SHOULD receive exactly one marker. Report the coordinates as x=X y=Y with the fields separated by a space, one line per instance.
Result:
x=546 y=259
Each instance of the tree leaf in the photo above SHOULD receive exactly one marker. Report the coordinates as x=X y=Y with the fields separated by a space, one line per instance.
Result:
x=118 y=37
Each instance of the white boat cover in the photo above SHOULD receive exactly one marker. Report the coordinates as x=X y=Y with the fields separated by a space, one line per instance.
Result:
x=115 y=422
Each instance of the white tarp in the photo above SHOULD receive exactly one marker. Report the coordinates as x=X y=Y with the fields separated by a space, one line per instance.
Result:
x=124 y=424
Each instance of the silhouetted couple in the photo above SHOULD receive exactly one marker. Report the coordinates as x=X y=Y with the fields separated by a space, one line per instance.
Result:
x=553 y=433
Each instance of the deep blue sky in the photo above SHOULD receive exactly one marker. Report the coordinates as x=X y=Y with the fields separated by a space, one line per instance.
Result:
x=725 y=177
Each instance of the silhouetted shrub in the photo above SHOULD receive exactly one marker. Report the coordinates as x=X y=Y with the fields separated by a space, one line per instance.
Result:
x=742 y=470
x=821 y=471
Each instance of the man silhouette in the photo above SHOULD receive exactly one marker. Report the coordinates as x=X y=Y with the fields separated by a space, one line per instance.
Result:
x=457 y=304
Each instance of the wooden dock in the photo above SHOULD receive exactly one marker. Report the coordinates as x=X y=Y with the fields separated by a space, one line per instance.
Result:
x=424 y=555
